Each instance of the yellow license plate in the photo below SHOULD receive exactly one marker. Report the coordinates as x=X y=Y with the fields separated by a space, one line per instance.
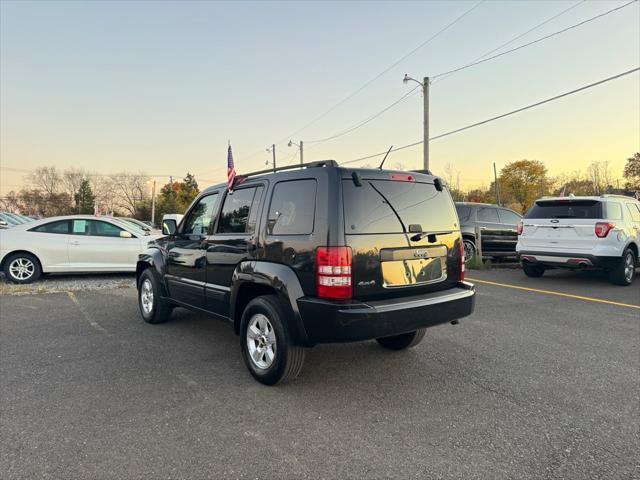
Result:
x=401 y=273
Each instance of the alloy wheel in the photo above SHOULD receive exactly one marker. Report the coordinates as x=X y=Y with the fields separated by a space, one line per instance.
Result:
x=261 y=341
x=628 y=267
x=22 y=269
x=146 y=296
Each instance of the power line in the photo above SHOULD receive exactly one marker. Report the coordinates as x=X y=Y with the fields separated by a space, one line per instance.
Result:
x=517 y=37
x=475 y=62
x=576 y=25
x=497 y=117
x=393 y=65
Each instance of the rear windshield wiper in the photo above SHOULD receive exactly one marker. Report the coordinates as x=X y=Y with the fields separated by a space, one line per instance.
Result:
x=404 y=229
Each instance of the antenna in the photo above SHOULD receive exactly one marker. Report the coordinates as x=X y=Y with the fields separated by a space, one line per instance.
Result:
x=385 y=157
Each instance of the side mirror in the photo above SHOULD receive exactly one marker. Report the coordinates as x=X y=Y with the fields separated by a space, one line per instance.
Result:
x=125 y=234
x=169 y=227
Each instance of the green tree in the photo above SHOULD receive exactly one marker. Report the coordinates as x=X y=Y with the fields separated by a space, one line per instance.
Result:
x=524 y=181
x=631 y=172
x=84 y=198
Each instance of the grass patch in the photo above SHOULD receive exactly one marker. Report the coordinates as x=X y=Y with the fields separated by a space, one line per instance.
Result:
x=476 y=263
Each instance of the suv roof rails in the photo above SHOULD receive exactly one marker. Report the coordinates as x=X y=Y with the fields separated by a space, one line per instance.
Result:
x=321 y=163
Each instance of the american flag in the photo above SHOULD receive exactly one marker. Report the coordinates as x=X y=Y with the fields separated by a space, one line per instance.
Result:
x=231 y=171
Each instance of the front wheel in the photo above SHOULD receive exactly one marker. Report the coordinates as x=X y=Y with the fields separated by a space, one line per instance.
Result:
x=405 y=340
x=534 y=271
x=625 y=272
x=152 y=307
x=267 y=346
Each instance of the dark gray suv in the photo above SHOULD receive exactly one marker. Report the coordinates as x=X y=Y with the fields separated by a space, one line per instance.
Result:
x=498 y=228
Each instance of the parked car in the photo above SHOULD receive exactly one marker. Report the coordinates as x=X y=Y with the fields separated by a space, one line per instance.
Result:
x=582 y=232
x=9 y=220
x=498 y=229
x=76 y=243
x=145 y=226
x=312 y=255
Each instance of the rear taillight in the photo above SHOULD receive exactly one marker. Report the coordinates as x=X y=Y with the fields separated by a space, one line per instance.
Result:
x=520 y=227
x=333 y=276
x=603 y=229
x=461 y=260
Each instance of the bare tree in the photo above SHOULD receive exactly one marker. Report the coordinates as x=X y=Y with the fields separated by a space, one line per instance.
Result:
x=47 y=179
x=71 y=180
x=131 y=188
x=600 y=176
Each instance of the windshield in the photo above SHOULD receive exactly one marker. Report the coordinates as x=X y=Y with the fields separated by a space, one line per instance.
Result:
x=386 y=206
x=566 y=209
x=131 y=227
x=137 y=223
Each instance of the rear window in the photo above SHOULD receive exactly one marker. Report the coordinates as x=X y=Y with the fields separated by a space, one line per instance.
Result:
x=385 y=206
x=566 y=209
x=61 y=226
x=614 y=211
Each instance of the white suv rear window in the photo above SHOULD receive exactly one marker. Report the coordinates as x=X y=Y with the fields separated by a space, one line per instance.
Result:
x=566 y=209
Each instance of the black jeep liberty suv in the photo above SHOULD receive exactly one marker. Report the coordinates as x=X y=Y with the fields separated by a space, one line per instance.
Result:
x=313 y=254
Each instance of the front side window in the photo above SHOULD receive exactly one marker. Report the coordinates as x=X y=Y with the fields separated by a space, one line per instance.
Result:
x=235 y=212
x=292 y=209
x=60 y=227
x=201 y=215
x=488 y=214
x=98 y=228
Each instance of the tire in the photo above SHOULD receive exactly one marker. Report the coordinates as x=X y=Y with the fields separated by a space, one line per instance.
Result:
x=533 y=271
x=470 y=250
x=400 y=342
x=22 y=268
x=625 y=272
x=267 y=346
x=152 y=308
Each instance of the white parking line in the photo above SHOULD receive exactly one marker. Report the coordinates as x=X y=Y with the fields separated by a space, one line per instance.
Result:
x=85 y=314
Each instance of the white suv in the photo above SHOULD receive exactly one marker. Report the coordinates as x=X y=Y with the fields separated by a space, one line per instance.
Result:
x=581 y=232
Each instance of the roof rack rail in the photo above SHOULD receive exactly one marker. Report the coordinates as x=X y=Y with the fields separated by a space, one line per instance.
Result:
x=321 y=163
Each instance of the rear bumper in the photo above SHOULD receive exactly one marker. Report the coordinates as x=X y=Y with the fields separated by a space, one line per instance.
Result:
x=327 y=321
x=568 y=260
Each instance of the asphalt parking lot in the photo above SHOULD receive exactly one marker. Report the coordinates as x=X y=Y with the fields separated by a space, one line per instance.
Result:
x=533 y=385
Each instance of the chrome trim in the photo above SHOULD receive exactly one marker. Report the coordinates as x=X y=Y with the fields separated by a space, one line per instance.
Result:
x=214 y=286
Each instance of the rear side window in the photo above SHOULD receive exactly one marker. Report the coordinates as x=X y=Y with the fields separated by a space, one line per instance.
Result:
x=566 y=209
x=464 y=212
x=509 y=217
x=292 y=209
x=61 y=226
x=614 y=211
x=488 y=214
x=385 y=206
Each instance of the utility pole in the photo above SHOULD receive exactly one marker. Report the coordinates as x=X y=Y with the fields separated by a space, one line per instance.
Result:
x=425 y=90
x=495 y=181
x=153 y=204
x=273 y=149
x=301 y=153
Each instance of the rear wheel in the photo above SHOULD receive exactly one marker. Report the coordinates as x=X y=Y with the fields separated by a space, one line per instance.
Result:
x=266 y=342
x=22 y=268
x=533 y=270
x=625 y=272
x=405 y=340
x=469 y=249
x=152 y=307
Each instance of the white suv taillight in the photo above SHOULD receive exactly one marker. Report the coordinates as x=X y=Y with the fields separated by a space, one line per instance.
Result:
x=603 y=229
x=333 y=276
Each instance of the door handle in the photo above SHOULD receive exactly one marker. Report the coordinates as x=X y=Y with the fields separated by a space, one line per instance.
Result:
x=74 y=242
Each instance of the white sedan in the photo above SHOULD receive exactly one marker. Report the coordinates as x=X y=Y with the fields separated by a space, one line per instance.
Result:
x=75 y=243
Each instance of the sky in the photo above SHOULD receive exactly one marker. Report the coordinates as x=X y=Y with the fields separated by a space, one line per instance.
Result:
x=161 y=87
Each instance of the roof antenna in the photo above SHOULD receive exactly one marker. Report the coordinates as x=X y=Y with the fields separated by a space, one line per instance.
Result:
x=385 y=157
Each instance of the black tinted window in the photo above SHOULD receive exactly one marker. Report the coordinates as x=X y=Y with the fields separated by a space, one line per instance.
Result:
x=292 y=208
x=464 y=212
x=235 y=212
x=200 y=216
x=509 y=217
x=566 y=209
x=383 y=206
x=488 y=214
x=61 y=226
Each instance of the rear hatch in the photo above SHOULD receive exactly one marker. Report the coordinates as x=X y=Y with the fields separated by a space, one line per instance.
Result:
x=403 y=232
x=562 y=225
